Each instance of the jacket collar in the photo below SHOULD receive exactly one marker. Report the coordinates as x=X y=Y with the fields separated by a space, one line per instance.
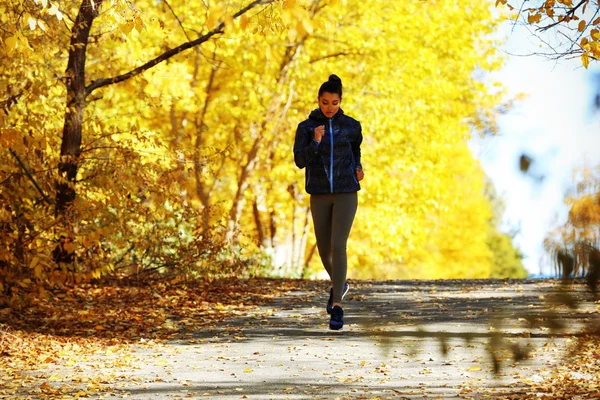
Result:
x=318 y=115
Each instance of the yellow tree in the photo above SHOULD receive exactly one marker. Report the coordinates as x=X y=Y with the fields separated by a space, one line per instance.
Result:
x=81 y=84
x=193 y=149
x=414 y=90
x=580 y=235
x=423 y=204
x=56 y=53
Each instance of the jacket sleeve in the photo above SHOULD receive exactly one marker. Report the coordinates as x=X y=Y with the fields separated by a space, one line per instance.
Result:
x=305 y=148
x=356 y=147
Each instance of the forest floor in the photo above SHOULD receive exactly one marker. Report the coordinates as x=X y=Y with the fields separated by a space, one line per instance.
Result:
x=269 y=339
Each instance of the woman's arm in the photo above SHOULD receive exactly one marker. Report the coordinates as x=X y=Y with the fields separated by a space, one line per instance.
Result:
x=305 y=148
x=356 y=147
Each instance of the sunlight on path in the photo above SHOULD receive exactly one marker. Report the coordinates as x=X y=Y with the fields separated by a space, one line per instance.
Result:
x=402 y=339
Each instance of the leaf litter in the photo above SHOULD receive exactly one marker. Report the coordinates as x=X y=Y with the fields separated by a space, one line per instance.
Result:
x=73 y=327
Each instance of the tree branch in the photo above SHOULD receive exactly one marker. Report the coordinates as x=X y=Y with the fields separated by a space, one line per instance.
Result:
x=340 y=54
x=170 y=53
x=31 y=178
x=569 y=13
x=178 y=20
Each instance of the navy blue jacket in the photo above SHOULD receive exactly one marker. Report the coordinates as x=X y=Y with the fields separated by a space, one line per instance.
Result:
x=331 y=164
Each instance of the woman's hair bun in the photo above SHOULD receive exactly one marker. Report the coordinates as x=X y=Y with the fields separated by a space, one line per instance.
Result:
x=333 y=85
x=335 y=78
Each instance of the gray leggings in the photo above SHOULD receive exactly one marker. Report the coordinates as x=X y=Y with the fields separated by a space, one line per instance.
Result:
x=333 y=215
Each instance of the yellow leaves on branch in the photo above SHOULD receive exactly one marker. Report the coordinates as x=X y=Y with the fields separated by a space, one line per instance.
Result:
x=136 y=23
x=567 y=12
x=50 y=9
x=534 y=18
x=214 y=17
x=591 y=47
x=585 y=60
x=297 y=19
x=17 y=42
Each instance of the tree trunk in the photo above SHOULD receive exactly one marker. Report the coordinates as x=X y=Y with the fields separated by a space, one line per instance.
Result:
x=260 y=230
x=75 y=107
x=202 y=191
x=275 y=109
x=77 y=91
x=238 y=203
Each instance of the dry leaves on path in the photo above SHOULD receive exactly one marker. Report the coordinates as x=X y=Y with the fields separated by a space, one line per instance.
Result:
x=70 y=326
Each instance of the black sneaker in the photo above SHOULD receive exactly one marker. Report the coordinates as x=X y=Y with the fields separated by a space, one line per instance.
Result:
x=330 y=301
x=337 y=318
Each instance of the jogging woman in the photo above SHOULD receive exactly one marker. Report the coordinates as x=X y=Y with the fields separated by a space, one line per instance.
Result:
x=327 y=144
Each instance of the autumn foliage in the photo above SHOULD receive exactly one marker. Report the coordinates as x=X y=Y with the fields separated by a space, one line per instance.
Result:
x=575 y=245
x=168 y=151
x=567 y=28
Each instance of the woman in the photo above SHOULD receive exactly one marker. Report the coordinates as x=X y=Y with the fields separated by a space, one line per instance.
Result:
x=328 y=145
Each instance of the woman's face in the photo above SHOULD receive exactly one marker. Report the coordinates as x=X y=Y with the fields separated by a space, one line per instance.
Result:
x=329 y=103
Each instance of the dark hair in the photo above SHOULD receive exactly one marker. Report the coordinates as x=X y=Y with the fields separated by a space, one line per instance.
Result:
x=333 y=85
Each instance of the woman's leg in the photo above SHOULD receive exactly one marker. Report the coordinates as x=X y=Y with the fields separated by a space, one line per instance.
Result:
x=321 y=208
x=344 y=210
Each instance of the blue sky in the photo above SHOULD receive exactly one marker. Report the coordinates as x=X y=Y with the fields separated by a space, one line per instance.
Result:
x=556 y=126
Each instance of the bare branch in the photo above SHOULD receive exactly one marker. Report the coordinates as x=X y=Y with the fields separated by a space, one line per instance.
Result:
x=334 y=55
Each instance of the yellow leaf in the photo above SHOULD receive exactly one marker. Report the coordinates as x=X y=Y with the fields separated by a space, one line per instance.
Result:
x=11 y=42
x=585 y=60
x=139 y=25
x=584 y=42
x=596 y=21
x=100 y=328
x=244 y=22
x=229 y=25
x=127 y=27
x=307 y=25
x=292 y=35
x=34 y=262
x=475 y=368
x=248 y=370
x=581 y=26
x=37 y=272
x=214 y=16
x=25 y=282
x=161 y=363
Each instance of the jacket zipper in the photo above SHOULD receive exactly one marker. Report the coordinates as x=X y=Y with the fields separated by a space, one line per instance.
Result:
x=331 y=159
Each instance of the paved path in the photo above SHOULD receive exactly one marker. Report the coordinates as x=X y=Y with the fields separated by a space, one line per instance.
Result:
x=402 y=340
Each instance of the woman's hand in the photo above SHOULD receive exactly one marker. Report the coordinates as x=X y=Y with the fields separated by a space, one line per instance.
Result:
x=319 y=132
x=360 y=174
